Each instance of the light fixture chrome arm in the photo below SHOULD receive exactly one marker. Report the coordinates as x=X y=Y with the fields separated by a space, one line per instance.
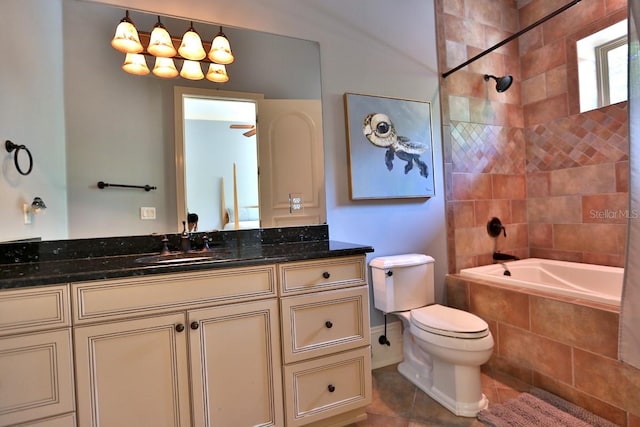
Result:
x=511 y=37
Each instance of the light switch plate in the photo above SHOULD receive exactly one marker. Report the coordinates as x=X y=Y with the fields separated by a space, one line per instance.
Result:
x=147 y=213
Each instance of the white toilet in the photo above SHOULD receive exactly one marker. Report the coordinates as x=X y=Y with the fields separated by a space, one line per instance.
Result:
x=443 y=347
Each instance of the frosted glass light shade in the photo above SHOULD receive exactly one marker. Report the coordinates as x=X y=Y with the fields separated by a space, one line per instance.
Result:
x=221 y=50
x=191 y=70
x=134 y=63
x=191 y=46
x=165 y=68
x=217 y=73
x=160 y=43
x=126 y=38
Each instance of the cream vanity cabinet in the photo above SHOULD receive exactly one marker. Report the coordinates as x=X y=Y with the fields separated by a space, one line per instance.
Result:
x=36 y=367
x=326 y=341
x=184 y=349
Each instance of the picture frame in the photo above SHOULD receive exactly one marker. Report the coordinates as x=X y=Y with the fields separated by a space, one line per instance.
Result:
x=390 y=147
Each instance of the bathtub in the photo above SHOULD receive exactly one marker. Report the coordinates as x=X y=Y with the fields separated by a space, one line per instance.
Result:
x=572 y=279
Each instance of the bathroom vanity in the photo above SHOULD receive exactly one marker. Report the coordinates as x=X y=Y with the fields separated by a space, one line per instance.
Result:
x=275 y=333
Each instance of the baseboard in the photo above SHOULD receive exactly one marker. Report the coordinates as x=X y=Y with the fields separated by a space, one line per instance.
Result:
x=384 y=355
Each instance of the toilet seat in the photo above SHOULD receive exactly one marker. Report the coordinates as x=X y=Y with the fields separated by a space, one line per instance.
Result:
x=449 y=322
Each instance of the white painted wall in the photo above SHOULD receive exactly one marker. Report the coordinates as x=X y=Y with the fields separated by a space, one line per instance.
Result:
x=32 y=114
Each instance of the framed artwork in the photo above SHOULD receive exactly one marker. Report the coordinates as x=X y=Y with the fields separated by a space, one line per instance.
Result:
x=390 y=147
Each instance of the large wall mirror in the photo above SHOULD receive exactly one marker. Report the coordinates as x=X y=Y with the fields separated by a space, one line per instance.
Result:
x=120 y=128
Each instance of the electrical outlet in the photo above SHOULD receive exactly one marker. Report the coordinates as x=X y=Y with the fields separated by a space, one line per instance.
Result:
x=295 y=202
x=147 y=213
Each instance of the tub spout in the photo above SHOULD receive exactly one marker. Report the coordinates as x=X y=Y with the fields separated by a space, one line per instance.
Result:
x=499 y=256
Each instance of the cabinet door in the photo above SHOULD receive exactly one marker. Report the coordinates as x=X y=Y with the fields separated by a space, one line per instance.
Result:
x=36 y=376
x=133 y=373
x=235 y=365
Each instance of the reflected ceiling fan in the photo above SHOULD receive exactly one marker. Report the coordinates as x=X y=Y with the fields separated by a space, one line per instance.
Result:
x=251 y=129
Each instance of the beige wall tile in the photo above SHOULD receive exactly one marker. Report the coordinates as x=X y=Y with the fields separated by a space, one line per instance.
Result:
x=583 y=180
x=579 y=326
x=499 y=304
x=536 y=352
x=559 y=209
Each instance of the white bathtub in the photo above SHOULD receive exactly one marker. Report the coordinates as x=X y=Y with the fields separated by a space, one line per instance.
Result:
x=587 y=281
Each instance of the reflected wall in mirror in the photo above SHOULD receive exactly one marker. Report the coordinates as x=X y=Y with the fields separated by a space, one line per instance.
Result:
x=117 y=127
x=217 y=158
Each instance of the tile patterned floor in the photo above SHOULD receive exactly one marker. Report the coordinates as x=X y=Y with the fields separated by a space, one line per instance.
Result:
x=398 y=403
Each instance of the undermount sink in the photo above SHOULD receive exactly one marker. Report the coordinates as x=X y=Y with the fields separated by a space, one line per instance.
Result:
x=185 y=257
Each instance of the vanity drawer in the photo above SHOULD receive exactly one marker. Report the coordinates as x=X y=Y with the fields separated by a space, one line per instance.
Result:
x=321 y=388
x=329 y=273
x=120 y=298
x=327 y=322
x=33 y=309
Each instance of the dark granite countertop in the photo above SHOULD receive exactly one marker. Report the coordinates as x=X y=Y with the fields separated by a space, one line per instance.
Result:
x=45 y=270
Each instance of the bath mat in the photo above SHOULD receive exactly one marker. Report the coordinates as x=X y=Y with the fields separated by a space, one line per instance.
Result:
x=528 y=410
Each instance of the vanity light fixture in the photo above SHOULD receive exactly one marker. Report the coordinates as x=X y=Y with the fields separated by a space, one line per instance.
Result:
x=135 y=63
x=166 y=49
x=165 y=68
x=217 y=73
x=36 y=206
x=126 y=39
x=191 y=46
x=160 y=44
x=220 y=52
x=191 y=70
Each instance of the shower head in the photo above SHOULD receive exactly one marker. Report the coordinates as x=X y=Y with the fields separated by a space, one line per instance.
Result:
x=502 y=83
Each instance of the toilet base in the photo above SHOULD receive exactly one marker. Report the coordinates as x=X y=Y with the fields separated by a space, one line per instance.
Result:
x=424 y=381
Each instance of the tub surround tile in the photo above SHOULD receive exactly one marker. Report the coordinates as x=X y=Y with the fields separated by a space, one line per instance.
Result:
x=614 y=260
x=567 y=323
x=609 y=208
x=580 y=237
x=500 y=304
x=634 y=420
x=582 y=399
x=468 y=186
x=538 y=184
x=487 y=209
x=559 y=209
x=519 y=211
x=463 y=213
x=622 y=176
x=525 y=348
x=608 y=379
x=537 y=61
x=584 y=180
x=509 y=186
x=541 y=235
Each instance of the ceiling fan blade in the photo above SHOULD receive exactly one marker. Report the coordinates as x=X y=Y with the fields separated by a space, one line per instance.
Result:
x=241 y=126
x=250 y=132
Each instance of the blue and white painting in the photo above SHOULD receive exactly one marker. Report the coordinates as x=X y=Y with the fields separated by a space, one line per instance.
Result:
x=390 y=148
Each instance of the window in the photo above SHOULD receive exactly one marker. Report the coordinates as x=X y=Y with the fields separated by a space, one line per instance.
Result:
x=602 y=67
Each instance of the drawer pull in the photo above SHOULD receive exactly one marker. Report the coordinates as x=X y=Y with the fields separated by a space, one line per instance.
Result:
x=179 y=327
x=326 y=275
x=195 y=325
x=328 y=324
x=331 y=388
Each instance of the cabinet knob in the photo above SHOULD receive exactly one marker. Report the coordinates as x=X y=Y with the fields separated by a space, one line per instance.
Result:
x=389 y=273
x=328 y=324
x=326 y=275
x=179 y=327
x=195 y=325
x=331 y=388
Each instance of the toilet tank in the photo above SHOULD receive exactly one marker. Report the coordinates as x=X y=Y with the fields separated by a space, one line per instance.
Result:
x=402 y=282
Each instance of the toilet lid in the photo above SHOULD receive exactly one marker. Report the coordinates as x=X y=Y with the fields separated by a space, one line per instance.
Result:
x=450 y=322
